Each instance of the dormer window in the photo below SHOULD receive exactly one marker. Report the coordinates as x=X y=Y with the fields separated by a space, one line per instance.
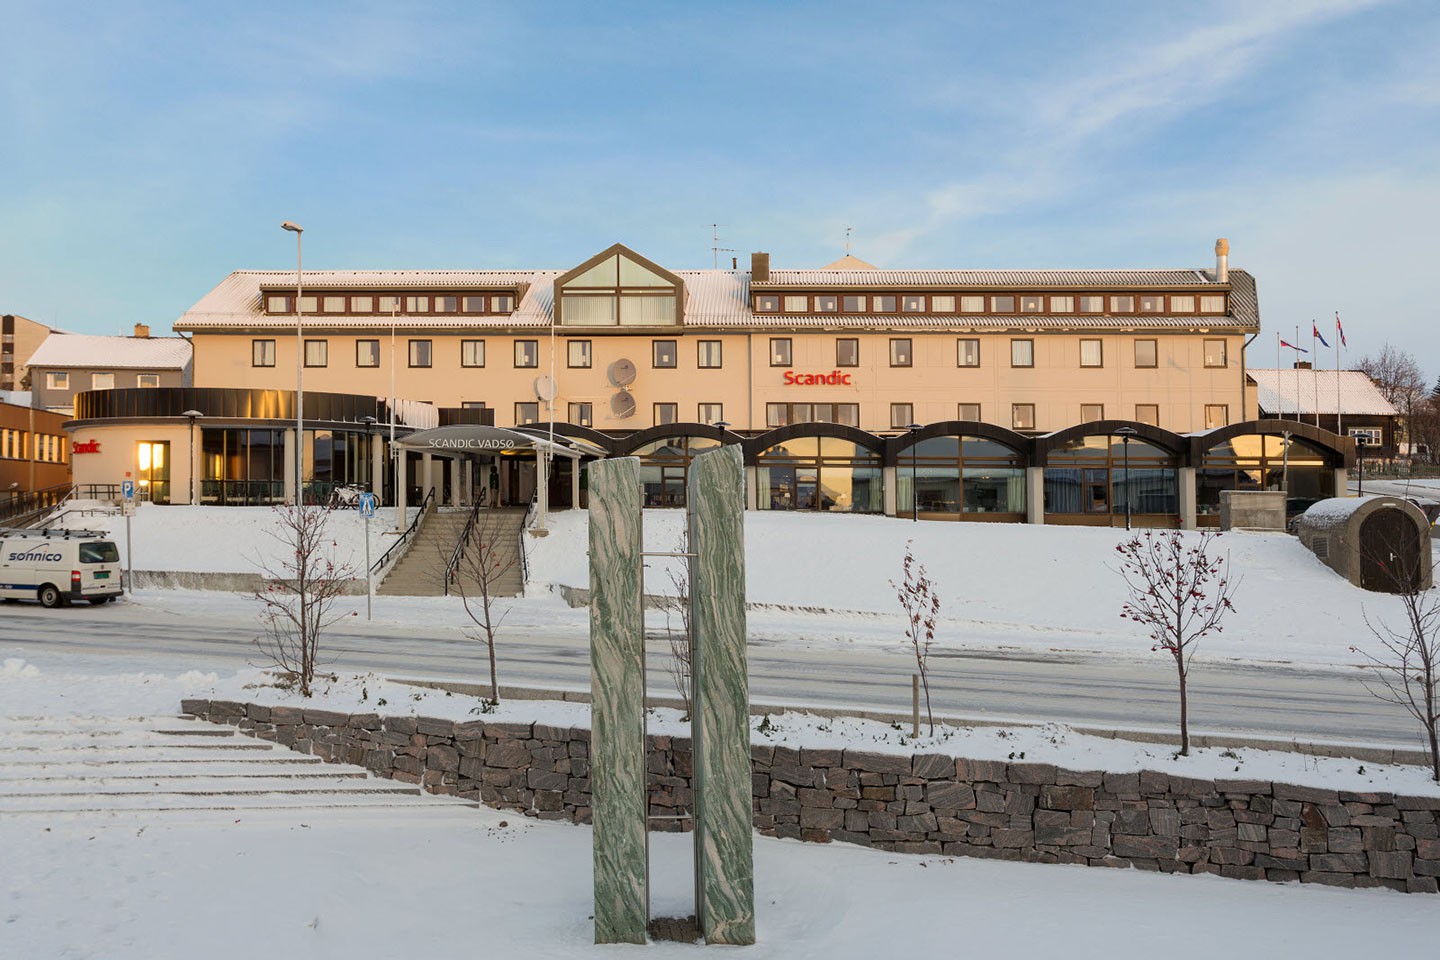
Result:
x=619 y=288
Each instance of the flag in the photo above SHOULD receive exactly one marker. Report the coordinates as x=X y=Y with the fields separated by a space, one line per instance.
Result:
x=1315 y=329
x=1340 y=330
x=1293 y=347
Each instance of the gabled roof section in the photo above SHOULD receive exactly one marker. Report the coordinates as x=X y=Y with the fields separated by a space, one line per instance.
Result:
x=624 y=252
x=1319 y=391
x=849 y=262
x=61 y=350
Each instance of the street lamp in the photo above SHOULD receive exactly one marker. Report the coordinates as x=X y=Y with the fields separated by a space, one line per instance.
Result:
x=914 y=429
x=369 y=424
x=192 y=415
x=1125 y=433
x=298 y=230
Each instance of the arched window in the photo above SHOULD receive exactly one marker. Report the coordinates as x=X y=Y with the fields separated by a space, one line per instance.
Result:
x=665 y=467
x=1086 y=481
x=1255 y=461
x=961 y=478
x=820 y=473
x=618 y=288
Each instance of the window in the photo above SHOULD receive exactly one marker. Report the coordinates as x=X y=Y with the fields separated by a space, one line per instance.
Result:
x=663 y=353
x=1022 y=353
x=780 y=351
x=389 y=305
x=472 y=404
x=1214 y=353
x=420 y=353
x=527 y=353
x=1062 y=304
x=1185 y=304
x=666 y=413
x=447 y=304
x=417 y=304
x=582 y=414
x=1152 y=304
x=102 y=381
x=767 y=304
x=1092 y=304
x=317 y=353
x=309 y=305
x=1216 y=415
x=578 y=355
x=527 y=413
x=367 y=353
x=1022 y=416
x=1365 y=436
x=1002 y=304
x=362 y=304
x=972 y=304
x=827 y=303
x=1090 y=412
x=1092 y=353
x=502 y=304
x=280 y=304
x=1148 y=413
x=262 y=353
x=853 y=304
x=944 y=304
x=967 y=411
x=900 y=353
x=967 y=353
x=784 y=414
x=913 y=304
x=708 y=354
x=473 y=304
x=1032 y=304
x=847 y=352
x=147 y=380
x=883 y=304
x=1147 y=353
x=472 y=353
x=333 y=304
x=709 y=412
x=901 y=415
x=796 y=303
x=1214 y=304
x=1122 y=304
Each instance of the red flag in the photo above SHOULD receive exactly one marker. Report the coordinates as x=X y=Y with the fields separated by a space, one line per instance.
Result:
x=1293 y=347
x=1340 y=330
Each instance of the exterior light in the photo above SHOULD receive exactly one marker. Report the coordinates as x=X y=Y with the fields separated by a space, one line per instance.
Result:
x=1125 y=433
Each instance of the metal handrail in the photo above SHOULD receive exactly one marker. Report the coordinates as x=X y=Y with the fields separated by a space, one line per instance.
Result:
x=425 y=504
x=34 y=503
x=525 y=525
x=458 y=553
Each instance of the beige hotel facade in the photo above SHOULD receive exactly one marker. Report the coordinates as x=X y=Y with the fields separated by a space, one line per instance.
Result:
x=954 y=377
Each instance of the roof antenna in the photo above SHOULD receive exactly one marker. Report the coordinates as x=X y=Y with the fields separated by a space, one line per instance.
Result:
x=715 y=248
x=847 y=240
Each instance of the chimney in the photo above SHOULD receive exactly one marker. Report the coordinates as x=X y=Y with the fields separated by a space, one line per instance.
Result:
x=142 y=331
x=1222 y=260
x=759 y=268
x=734 y=263
x=1302 y=364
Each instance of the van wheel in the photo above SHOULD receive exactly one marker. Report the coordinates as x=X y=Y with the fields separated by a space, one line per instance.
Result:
x=50 y=597
x=99 y=601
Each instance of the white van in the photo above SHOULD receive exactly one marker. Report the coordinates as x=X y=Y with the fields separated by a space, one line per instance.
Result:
x=57 y=567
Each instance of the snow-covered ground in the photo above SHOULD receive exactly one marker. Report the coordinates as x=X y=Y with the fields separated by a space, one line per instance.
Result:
x=824 y=579
x=146 y=885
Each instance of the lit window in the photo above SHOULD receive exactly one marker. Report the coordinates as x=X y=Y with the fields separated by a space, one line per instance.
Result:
x=828 y=303
x=1215 y=353
x=1092 y=353
x=579 y=354
x=709 y=412
x=797 y=303
x=780 y=351
x=262 y=353
x=472 y=353
x=972 y=304
x=527 y=353
x=913 y=304
x=1148 y=413
x=317 y=353
x=967 y=411
x=1022 y=353
x=967 y=353
x=901 y=416
x=420 y=353
x=708 y=354
x=847 y=352
x=900 y=353
x=1062 y=304
x=1032 y=304
x=1022 y=416
x=367 y=353
x=1147 y=353
x=1090 y=412
x=663 y=354
x=147 y=381
x=945 y=304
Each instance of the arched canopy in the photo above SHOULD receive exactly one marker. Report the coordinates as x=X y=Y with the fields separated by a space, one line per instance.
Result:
x=898 y=446
x=754 y=446
x=623 y=446
x=1337 y=450
x=1173 y=443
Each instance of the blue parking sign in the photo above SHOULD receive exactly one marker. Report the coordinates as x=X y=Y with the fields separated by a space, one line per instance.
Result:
x=367 y=505
x=127 y=489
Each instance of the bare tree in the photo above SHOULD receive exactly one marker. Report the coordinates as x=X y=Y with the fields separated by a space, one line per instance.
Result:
x=921 y=604
x=485 y=555
x=677 y=605
x=1397 y=375
x=298 y=594
x=1406 y=667
x=1180 y=593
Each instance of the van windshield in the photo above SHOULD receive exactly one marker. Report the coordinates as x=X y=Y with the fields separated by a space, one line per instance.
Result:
x=101 y=551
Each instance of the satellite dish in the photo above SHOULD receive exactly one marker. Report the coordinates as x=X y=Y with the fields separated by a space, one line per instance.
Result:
x=622 y=404
x=545 y=388
x=621 y=372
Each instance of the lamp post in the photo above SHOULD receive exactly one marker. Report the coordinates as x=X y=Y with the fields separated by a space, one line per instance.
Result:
x=1125 y=433
x=192 y=416
x=298 y=230
x=369 y=424
x=914 y=429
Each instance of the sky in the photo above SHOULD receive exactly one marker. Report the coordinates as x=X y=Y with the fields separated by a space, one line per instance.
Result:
x=149 y=149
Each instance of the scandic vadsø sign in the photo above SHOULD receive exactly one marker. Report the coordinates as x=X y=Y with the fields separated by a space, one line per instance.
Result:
x=832 y=379
x=472 y=443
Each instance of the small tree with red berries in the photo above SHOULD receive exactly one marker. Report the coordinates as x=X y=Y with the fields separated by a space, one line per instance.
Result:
x=1180 y=593
x=917 y=597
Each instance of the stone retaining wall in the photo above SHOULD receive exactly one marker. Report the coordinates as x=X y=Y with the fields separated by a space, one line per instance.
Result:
x=928 y=803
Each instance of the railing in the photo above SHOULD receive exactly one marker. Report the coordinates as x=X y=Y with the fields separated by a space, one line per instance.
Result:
x=524 y=558
x=458 y=554
x=404 y=538
x=1382 y=469
x=33 y=502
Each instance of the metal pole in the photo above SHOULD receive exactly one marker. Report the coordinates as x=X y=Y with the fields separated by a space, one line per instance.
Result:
x=129 y=556
x=915 y=705
x=1126 y=443
x=369 y=574
x=299 y=232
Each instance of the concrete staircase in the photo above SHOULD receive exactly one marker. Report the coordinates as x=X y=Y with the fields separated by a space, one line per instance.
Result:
x=153 y=765
x=421 y=571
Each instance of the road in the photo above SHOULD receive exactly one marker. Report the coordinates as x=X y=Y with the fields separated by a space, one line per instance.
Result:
x=1280 y=701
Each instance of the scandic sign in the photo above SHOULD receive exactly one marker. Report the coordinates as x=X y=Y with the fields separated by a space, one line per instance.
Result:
x=89 y=446
x=832 y=379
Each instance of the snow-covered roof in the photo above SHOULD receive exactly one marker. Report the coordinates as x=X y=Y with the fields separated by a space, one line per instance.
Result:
x=718 y=298
x=1319 y=391
x=19 y=398
x=138 y=353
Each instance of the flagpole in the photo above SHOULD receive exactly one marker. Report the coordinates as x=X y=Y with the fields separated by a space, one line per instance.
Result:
x=1279 y=393
x=1339 y=412
x=1315 y=372
x=1298 y=413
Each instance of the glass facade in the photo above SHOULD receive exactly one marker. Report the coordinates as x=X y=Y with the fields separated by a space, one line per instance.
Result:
x=960 y=478
x=1260 y=462
x=1088 y=477
x=665 y=466
x=242 y=467
x=820 y=473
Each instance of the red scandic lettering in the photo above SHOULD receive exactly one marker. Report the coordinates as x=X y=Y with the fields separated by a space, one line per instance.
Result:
x=789 y=376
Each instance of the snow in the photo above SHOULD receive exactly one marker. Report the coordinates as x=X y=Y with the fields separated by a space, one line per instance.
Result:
x=433 y=879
